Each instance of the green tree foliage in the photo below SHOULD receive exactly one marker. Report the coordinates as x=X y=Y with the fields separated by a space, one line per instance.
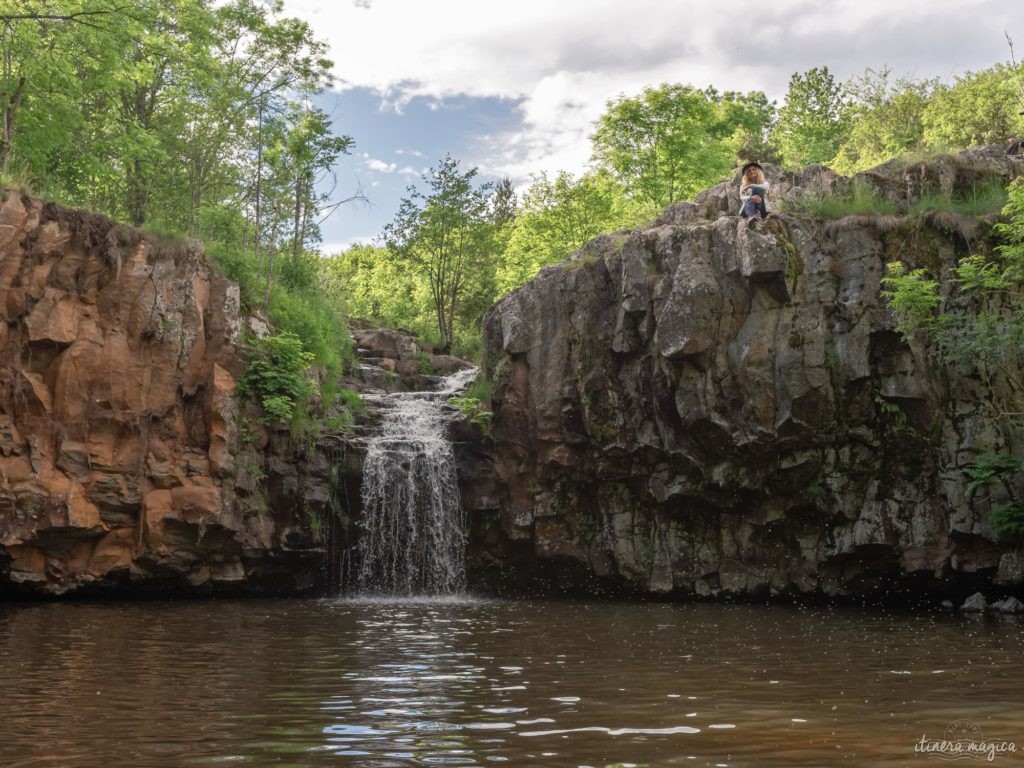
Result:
x=152 y=111
x=886 y=119
x=186 y=116
x=503 y=202
x=813 y=122
x=301 y=151
x=56 y=59
x=672 y=141
x=753 y=119
x=980 y=108
x=276 y=375
x=444 y=233
x=903 y=117
x=979 y=328
x=557 y=217
x=378 y=286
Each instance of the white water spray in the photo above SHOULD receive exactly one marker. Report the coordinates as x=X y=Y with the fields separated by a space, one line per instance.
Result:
x=413 y=537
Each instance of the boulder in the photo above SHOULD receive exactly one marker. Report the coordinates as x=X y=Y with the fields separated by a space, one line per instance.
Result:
x=975 y=603
x=1008 y=605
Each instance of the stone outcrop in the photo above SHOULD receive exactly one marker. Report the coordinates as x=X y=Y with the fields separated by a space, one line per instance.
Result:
x=120 y=435
x=395 y=360
x=702 y=407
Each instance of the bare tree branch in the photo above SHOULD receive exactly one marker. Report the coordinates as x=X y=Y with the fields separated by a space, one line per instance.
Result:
x=1016 y=71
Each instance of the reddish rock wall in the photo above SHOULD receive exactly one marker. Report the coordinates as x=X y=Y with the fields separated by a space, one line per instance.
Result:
x=117 y=417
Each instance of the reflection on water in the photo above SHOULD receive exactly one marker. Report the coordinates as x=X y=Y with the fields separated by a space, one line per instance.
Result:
x=452 y=683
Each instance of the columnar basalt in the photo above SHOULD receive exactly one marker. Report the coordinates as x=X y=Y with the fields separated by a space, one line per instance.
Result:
x=709 y=408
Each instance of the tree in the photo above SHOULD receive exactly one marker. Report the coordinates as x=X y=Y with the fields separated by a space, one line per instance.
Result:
x=812 y=123
x=753 y=118
x=980 y=108
x=886 y=119
x=444 y=233
x=187 y=116
x=556 y=218
x=503 y=202
x=672 y=141
x=53 y=56
x=377 y=285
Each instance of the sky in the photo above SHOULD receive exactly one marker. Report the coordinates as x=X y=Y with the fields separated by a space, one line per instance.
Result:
x=514 y=88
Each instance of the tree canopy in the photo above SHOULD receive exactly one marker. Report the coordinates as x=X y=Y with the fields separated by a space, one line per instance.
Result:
x=198 y=117
x=813 y=122
x=443 y=231
x=674 y=140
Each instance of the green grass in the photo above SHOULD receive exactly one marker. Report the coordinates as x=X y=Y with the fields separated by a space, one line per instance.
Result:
x=352 y=400
x=300 y=308
x=861 y=200
x=18 y=178
x=480 y=389
x=981 y=200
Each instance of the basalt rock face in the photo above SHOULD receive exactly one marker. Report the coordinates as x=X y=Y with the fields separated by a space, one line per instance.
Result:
x=703 y=407
x=120 y=465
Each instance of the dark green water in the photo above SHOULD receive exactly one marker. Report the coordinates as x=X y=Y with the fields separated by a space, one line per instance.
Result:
x=319 y=682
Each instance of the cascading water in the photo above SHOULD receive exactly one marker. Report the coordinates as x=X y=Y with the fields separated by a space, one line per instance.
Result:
x=413 y=537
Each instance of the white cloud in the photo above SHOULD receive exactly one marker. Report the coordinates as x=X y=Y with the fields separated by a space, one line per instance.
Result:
x=563 y=61
x=379 y=165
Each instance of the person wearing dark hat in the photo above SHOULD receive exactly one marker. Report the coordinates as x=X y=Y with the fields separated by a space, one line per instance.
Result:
x=753 y=193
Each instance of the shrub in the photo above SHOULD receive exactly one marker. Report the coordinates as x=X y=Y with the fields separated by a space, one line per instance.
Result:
x=913 y=296
x=475 y=411
x=1008 y=519
x=277 y=376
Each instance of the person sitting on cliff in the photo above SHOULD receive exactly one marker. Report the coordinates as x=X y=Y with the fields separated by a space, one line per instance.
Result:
x=753 y=193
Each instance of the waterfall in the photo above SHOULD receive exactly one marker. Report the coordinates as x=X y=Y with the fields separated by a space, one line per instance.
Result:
x=413 y=537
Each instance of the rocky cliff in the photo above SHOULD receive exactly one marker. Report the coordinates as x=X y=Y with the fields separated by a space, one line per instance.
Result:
x=121 y=459
x=702 y=407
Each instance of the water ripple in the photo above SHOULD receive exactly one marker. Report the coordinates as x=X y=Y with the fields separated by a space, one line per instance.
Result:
x=379 y=683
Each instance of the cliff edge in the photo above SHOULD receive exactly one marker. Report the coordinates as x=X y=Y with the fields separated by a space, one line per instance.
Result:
x=701 y=407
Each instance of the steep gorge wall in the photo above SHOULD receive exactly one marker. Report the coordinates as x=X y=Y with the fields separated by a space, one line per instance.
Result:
x=119 y=429
x=701 y=407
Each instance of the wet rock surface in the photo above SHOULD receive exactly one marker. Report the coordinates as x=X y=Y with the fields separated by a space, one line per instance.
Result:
x=706 y=408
